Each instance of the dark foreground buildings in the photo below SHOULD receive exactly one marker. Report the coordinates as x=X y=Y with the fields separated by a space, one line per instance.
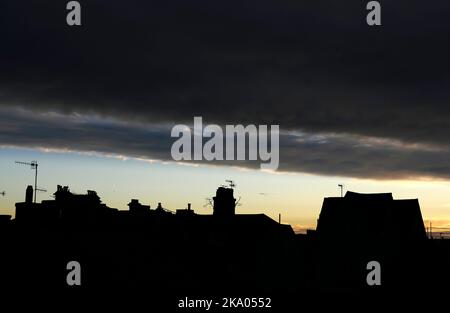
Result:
x=370 y=217
x=161 y=252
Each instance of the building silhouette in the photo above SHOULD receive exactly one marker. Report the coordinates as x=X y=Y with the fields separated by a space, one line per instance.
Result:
x=67 y=207
x=370 y=217
x=224 y=202
x=165 y=252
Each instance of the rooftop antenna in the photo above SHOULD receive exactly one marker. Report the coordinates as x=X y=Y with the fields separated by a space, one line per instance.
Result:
x=231 y=183
x=341 y=186
x=41 y=189
x=431 y=230
x=209 y=202
x=34 y=166
x=238 y=202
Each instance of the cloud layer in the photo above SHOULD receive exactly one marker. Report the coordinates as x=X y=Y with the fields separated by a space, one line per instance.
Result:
x=314 y=67
x=326 y=154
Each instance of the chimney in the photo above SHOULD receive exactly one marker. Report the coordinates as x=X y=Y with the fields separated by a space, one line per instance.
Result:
x=29 y=194
x=224 y=202
x=189 y=206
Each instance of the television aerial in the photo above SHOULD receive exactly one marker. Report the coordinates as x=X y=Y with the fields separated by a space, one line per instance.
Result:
x=238 y=202
x=34 y=166
x=341 y=186
x=231 y=183
x=209 y=203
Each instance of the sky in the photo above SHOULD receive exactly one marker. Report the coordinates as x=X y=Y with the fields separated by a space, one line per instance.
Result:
x=94 y=105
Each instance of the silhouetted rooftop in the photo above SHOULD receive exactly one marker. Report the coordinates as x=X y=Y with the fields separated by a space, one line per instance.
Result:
x=370 y=216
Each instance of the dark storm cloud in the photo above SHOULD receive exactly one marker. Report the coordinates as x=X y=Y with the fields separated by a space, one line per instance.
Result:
x=313 y=66
x=329 y=154
x=86 y=134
